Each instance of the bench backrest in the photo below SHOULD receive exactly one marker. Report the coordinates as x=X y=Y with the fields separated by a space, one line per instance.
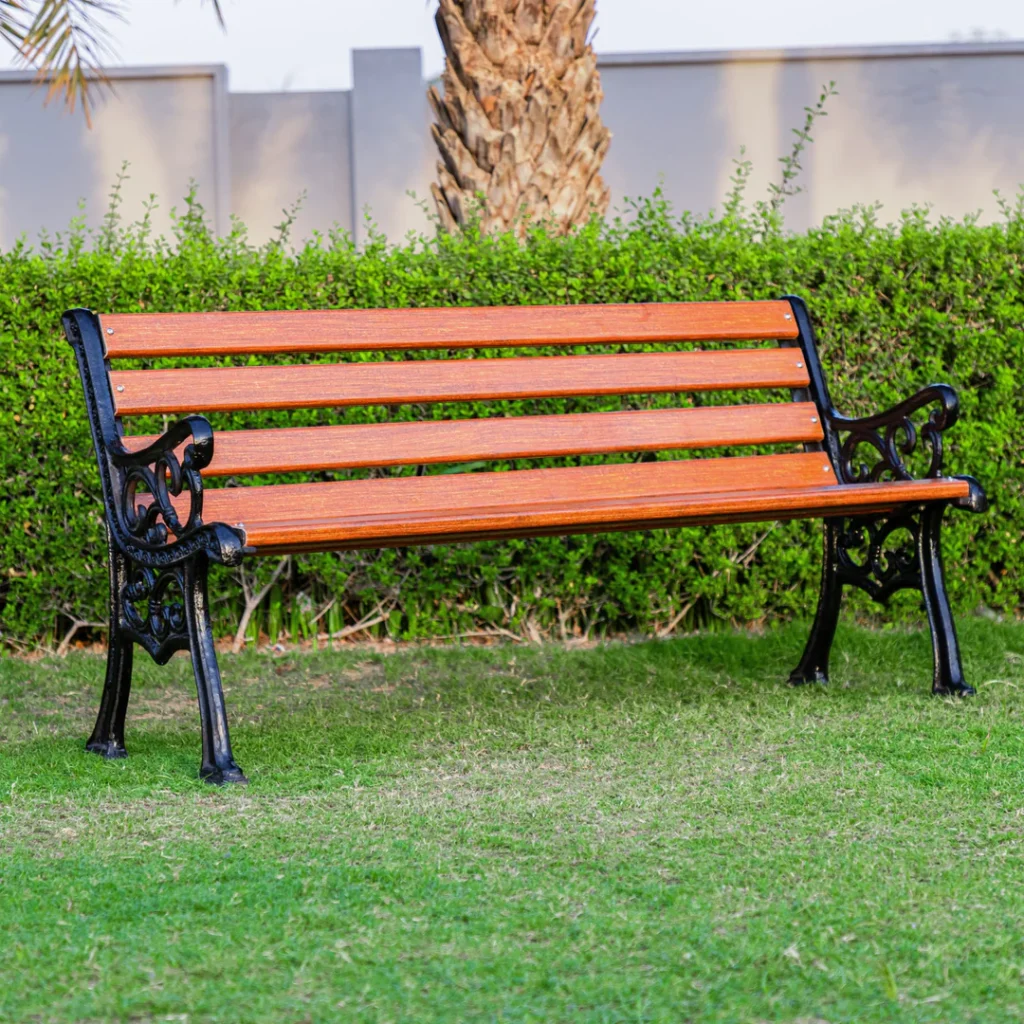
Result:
x=396 y=380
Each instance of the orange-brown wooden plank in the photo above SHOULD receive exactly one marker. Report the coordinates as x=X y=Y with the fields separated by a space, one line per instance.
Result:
x=362 y=512
x=225 y=389
x=397 y=444
x=658 y=512
x=136 y=335
x=408 y=495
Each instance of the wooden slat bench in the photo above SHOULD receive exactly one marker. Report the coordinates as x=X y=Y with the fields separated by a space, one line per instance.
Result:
x=165 y=526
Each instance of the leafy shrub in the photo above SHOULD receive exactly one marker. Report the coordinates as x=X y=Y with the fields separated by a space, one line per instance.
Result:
x=896 y=307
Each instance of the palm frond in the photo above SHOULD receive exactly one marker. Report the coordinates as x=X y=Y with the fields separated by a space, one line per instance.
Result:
x=68 y=43
x=12 y=22
x=216 y=10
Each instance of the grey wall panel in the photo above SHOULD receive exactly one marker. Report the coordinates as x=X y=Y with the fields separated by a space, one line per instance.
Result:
x=284 y=144
x=163 y=124
x=393 y=153
x=939 y=126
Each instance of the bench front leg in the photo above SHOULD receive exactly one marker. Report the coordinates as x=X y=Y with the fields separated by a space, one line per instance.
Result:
x=218 y=764
x=948 y=673
x=813 y=667
x=107 y=737
x=163 y=610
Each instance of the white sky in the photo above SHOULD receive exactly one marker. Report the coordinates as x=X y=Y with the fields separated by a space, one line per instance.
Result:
x=306 y=44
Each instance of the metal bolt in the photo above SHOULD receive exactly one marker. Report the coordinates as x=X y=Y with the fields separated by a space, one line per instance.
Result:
x=814 y=419
x=787 y=316
x=120 y=387
x=799 y=366
x=826 y=468
x=110 y=330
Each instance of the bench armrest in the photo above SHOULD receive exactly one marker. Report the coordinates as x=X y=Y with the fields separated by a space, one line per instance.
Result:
x=893 y=436
x=198 y=454
x=158 y=474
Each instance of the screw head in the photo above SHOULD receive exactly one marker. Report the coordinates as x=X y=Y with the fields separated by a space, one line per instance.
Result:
x=787 y=316
x=814 y=419
x=120 y=387
x=826 y=468
x=110 y=330
x=799 y=366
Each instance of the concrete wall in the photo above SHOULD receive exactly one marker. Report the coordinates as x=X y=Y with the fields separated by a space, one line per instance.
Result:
x=393 y=151
x=939 y=125
x=286 y=144
x=164 y=123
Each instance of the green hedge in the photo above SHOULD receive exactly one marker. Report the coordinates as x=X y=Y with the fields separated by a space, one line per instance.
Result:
x=896 y=308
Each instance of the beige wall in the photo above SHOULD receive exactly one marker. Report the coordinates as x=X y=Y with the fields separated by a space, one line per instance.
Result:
x=164 y=125
x=928 y=125
x=287 y=144
x=925 y=125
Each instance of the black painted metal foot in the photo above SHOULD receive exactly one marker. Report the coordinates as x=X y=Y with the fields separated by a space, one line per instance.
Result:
x=218 y=763
x=231 y=774
x=111 y=749
x=798 y=678
x=954 y=690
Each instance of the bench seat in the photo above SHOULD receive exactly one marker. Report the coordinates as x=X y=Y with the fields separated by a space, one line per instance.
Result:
x=337 y=515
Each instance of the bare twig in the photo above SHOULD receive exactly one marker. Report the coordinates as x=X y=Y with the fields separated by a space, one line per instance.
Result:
x=76 y=625
x=252 y=603
x=366 y=623
x=323 y=611
x=676 y=619
x=483 y=634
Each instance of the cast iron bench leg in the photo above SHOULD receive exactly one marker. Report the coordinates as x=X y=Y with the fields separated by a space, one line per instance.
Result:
x=813 y=667
x=218 y=764
x=948 y=676
x=107 y=737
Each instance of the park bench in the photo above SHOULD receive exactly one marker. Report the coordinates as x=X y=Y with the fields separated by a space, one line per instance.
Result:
x=165 y=525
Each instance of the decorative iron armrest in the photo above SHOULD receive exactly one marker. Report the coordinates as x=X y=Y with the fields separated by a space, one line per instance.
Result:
x=157 y=470
x=196 y=427
x=893 y=436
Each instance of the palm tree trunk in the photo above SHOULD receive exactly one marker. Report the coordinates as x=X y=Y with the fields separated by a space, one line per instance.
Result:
x=518 y=125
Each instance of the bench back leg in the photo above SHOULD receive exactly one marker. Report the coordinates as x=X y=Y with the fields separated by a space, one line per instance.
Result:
x=813 y=667
x=218 y=765
x=948 y=675
x=107 y=736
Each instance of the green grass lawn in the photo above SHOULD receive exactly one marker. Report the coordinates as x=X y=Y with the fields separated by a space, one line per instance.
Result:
x=658 y=832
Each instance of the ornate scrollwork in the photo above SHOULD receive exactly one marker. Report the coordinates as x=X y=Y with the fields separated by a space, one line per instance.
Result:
x=153 y=607
x=894 y=437
x=157 y=473
x=154 y=532
x=868 y=557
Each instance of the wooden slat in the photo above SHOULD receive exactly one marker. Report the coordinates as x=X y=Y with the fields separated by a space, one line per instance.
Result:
x=452 y=492
x=398 y=444
x=660 y=512
x=138 y=335
x=533 y=487
x=225 y=389
x=418 y=509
